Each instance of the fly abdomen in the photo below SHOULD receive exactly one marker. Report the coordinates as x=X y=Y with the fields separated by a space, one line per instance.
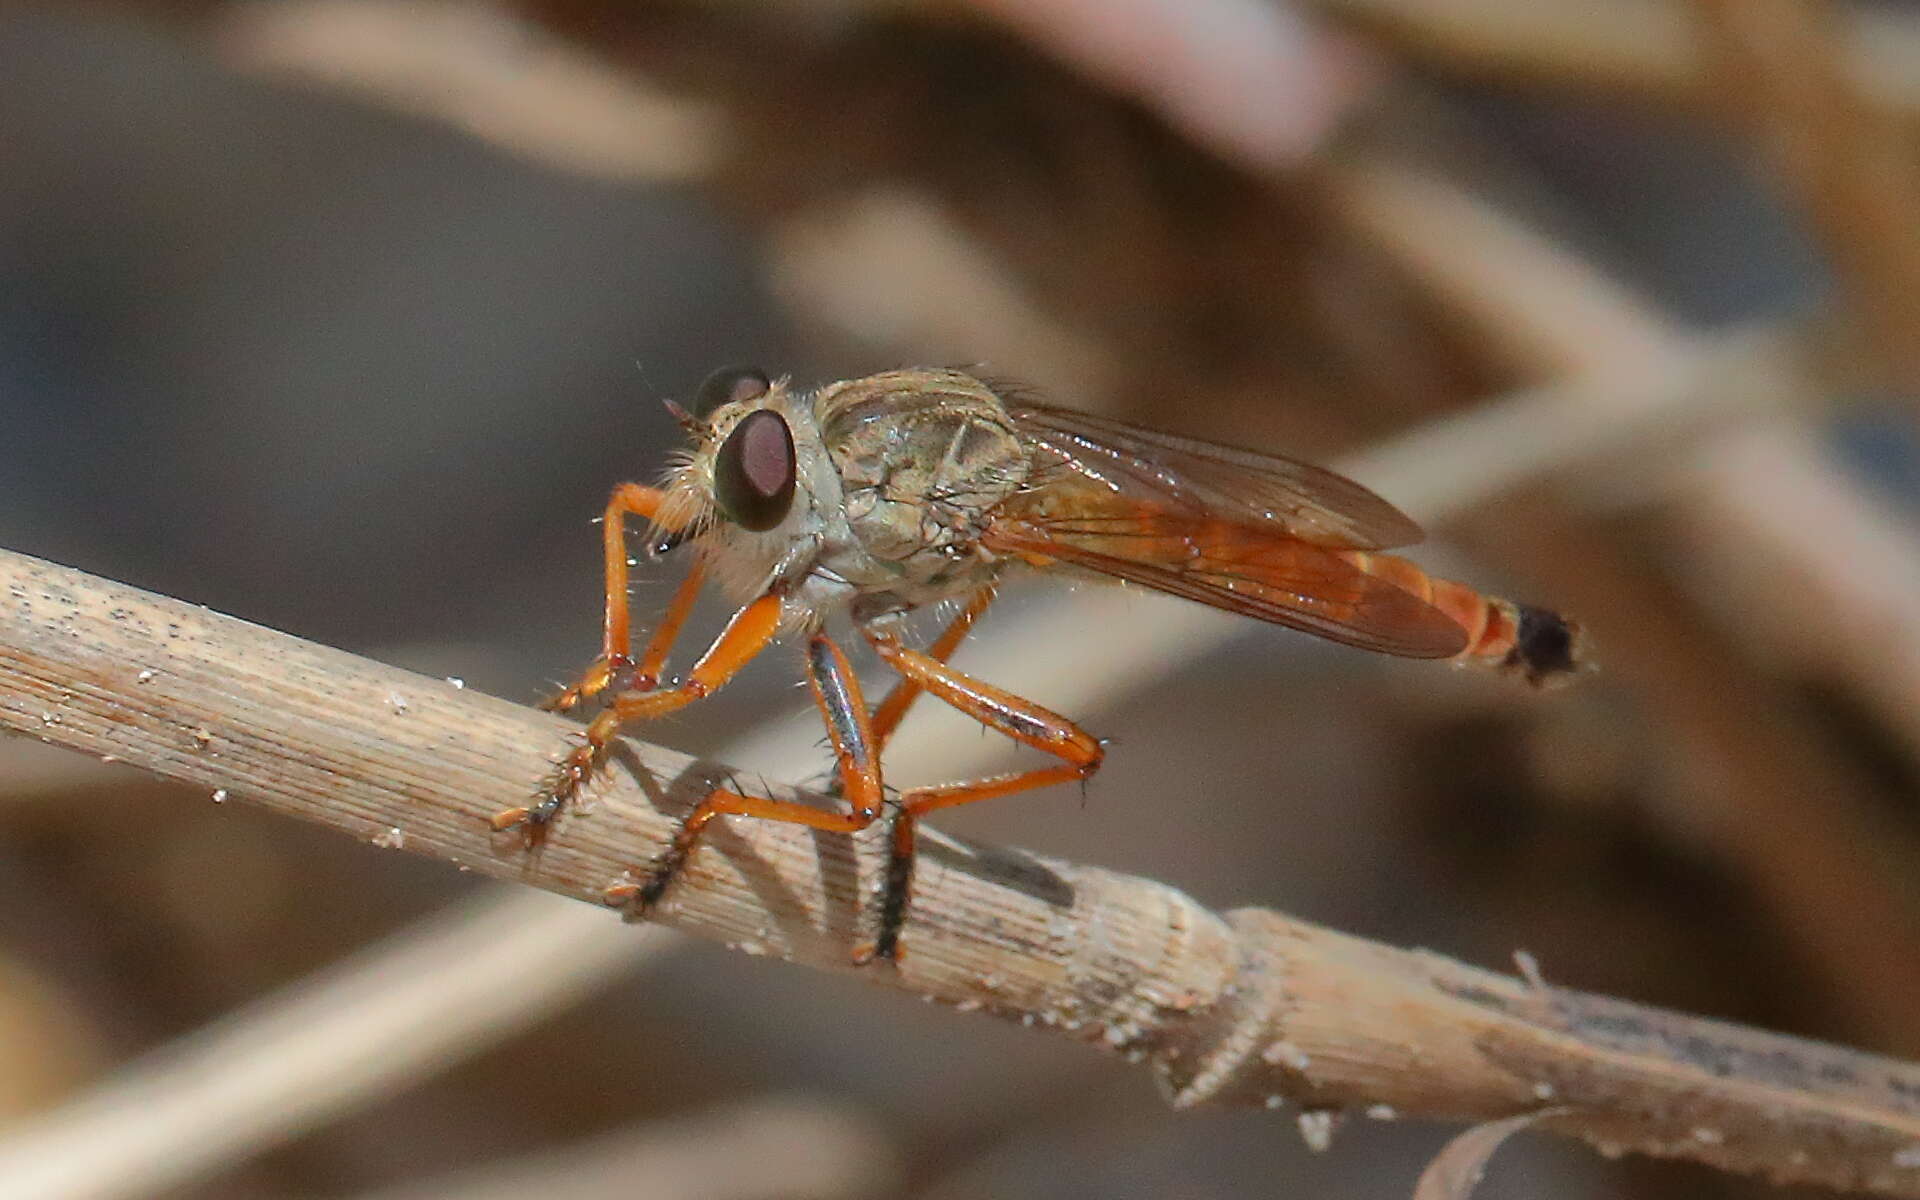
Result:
x=1538 y=644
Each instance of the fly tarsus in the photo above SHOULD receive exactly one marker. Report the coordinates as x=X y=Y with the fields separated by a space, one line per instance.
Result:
x=535 y=819
x=638 y=897
x=750 y=631
x=606 y=673
x=896 y=893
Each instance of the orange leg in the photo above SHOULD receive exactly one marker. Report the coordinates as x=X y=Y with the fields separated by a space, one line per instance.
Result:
x=892 y=710
x=750 y=631
x=646 y=676
x=887 y=717
x=1022 y=720
x=616 y=638
x=837 y=693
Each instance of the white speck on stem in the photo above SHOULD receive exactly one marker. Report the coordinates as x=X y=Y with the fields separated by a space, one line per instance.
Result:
x=456 y=681
x=390 y=838
x=1286 y=1054
x=146 y=675
x=219 y=795
x=1316 y=1128
x=397 y=702
x=1529 y=968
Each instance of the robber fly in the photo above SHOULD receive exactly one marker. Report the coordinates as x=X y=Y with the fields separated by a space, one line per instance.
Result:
x=879 y=496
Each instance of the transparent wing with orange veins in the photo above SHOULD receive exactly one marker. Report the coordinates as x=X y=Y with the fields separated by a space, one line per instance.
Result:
x=1248 y=533
x=1180 y=475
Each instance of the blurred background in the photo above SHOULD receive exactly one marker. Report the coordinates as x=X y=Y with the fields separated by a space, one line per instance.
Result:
x=343 y=315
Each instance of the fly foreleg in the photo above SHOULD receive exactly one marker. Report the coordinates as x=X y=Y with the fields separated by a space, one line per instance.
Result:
x=750 y=631
x=628 y=499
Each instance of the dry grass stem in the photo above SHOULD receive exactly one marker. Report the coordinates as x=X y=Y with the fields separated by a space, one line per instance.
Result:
x=1249 y=1008
x=1788 y=810
x=773 y=1149
x=1646 y=45
x=947 y=297
x=1851 y=170
x=1545 y=312
x=1436 y=471
x=482 y=71
x=376 y=1022
x=1826 y=571
x=1245 y=1009
x=1254 y=79
x=1457 y=1170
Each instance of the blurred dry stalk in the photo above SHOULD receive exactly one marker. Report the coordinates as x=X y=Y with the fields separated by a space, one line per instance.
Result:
x=1241 y=1010
x=499 y=79
x=1781 y=72
x=449 y=986
x=1450 y=284
x=400 y=1010
x=1785 y=808
x=47 y=1046
x=798 y=1148
x=1791 y=813
x=1651 y=46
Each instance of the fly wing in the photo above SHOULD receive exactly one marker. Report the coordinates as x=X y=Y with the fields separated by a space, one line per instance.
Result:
x=1207 y=480
x=1227 y=565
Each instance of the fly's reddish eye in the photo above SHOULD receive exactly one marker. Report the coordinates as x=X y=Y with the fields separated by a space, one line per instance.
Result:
x=754 y=471
x=729 y=385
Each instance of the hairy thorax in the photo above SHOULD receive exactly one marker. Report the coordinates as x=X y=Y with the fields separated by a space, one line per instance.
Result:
x=923 y=457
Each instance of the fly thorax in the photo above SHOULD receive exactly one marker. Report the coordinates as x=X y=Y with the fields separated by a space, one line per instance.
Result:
x=923 y=458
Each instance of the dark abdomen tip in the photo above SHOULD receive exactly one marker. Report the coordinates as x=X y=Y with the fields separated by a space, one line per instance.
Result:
x=1546 y=646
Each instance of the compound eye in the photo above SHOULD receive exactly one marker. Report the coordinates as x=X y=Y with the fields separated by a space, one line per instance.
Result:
x=730 y=385
x=754 y=470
